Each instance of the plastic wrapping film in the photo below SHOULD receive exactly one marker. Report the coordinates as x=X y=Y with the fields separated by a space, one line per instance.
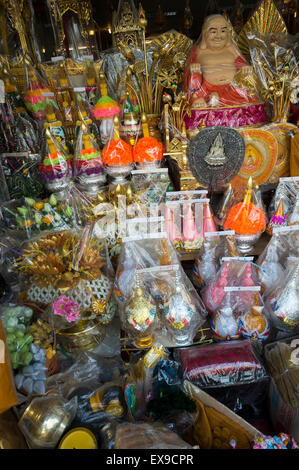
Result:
x=187 y=217
x=246 y=218
x=117 y=153
x=234 y=271
x=293 y=218
x=19 y=176
x=16 y=321
x=92 y=88
x=282 y=301
x=147 y=436
x=216 y=246
x=282 y=360
x=276 y=66
x=37 y=93
x=150 y=186
x=154 y=392
x=240 y=313
x=286 y=192
x=151 y=264
x=30 y=345
x=88 y=160
x=98 y=385
x=84 y=116
x=222 y=364
x=147 y=149
x=20 y=131
x=231 y=372
x=56 y=164
x=211 y=83
x=28 y=217
x=272 y=261
x=63 y=259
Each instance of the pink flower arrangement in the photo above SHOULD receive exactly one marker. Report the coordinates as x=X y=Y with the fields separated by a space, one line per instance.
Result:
x=66 y=308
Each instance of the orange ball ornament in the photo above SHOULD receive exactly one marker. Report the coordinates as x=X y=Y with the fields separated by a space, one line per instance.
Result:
x=246 y=219
x=117 y=153
x=147 y=149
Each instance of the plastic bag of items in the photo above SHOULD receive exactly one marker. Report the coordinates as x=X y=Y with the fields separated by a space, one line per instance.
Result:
x=231 y=372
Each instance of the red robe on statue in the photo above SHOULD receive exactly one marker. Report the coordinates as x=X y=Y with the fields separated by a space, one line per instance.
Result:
x=197 y=87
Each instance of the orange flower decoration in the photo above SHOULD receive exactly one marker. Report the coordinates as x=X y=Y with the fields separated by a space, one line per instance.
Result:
x=117 y=153
x=246 y=219
x=148 y=149
x=48 y=219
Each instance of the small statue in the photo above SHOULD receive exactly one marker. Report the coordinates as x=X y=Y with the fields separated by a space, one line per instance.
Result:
x=215 y=67
x=216 y=156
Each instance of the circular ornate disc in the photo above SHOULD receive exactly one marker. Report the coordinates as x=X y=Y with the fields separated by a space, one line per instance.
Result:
x=260 y=156
x=167 y=77
x=282 y=167
x=216 y=155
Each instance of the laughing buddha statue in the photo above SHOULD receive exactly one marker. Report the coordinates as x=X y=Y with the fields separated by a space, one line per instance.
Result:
x=216 y=71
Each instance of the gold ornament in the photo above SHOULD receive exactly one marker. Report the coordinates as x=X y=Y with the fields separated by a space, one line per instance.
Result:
x=99 y=306
x=126 y=27
x=139 y=308
x=266 y=19
x=52 y=260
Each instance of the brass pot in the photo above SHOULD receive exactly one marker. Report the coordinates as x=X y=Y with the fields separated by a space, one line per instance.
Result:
x=45 y=420
x=85 y=335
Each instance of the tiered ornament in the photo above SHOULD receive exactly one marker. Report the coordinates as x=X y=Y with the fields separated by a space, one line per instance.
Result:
x=105 y=110
x=294 y=216
x=208 y=219
x=225 y=323
x=254 y=324
x=118 y=157
x=148 y=151
x=213 y=294
x=247 y=220
x=271 y=271
x=191 y=239
x=56 y=129
x=171 y=228
x=279 y=219
x=88 y=166
x=283 y=301
x=37 y=93
x=130 y=128
x=179 y=312
x=55 y=169
x=140 y=315
x=205 y=269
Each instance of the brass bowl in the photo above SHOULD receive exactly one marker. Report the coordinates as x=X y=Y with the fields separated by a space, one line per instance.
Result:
x=86 y=335
x=44 y=421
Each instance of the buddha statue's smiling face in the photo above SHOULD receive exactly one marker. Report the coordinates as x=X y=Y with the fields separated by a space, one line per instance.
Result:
x=216 y=33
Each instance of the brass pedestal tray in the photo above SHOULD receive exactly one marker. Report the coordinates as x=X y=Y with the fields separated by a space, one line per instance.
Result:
x=85 y=335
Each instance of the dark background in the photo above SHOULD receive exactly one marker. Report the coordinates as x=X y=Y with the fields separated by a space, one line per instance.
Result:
x=163 y=15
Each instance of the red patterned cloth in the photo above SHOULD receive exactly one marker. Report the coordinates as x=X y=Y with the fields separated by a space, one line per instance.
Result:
x=221 y=364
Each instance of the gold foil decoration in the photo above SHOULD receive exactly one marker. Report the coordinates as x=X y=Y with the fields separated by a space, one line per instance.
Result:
x=266 y=19
x=52 y=260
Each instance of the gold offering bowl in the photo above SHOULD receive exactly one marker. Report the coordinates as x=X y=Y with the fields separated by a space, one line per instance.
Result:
x=85 y=335
x=44 y=421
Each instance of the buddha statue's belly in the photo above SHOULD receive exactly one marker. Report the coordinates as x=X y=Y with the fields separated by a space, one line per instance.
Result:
x=219 y=75
x=218 y=69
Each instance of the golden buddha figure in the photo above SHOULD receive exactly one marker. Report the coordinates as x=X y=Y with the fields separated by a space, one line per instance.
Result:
x=214 y=68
